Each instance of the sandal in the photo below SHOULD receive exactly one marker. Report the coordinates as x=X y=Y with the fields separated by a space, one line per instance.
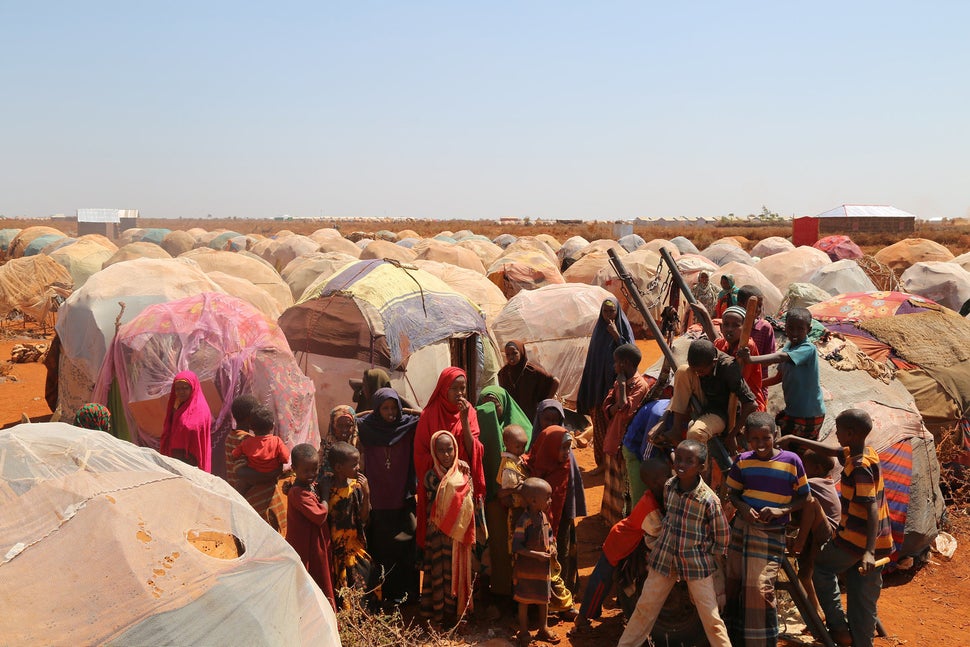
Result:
x=546 y=636
x=523 y=639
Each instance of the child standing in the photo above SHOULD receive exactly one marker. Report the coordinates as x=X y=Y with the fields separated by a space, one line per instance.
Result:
x=804 y=409
x=306 y=520
x=264 y=452
x=512 y=472
x=620 y=405
x=693 y=536
x=533 y=546
x=818 y=520
x=450 y=534
x=863 y=536
x=349 y=509
x=765 y=485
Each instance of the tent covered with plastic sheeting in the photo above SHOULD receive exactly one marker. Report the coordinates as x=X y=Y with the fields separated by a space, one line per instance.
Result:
x=387 y=249
x=904 y=253
x=306 y=269
x=283 y=250
x=643 y=265
x=326 y=233
x=803 y=295
x=225 y=342
x=36 y=245
x=52 y=246
x=584 y=269
x=839 y=247
x=549 y=240
x=473 y=285
x=684 y=245
x=25 y=236
x=504 y=240
x=32 y=285
x=944 y=282
x=486 y=250
x=794 y=266
x=133 y=234
x=770 y=246
x=722 y=254
x=659 y=243
x=631 y=242
x=178 y=242
x=378 y=314
x=339 y=244
x=555 y=322
x=86 y=321
x=523 y=270
x=6 y=236
x=364 y=242
x=161 y=562
x=410 y=242
x=842 y=277
x=749 y=275
x=243 y=267
x=154 y=235
x=432 y=250
x=570 y=249
x=221 y=241
x=82 y=259
x=245 y=290
x=136 y=250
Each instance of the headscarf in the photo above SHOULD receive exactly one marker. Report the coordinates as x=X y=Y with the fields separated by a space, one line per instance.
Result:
x=93 y=416
x=454 y=515
x=544 y=463
x=598 y=374
x=526 y=382
x=439 y=414
x=338 y=412
x=731 y=291
x=546 y=404
x=374 y=431
x=512 y=414
x=188 y=427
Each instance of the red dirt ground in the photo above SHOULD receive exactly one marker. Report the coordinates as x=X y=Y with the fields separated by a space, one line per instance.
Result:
x=928 y=608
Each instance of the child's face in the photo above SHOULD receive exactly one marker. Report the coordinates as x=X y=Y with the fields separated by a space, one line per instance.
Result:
x=182 y=391
x=549 y=417
x=457 y=390
x=347 y=469
x=725 y=283
x=655 y=483
x=847 y=436
x=703 y=370
x=703 y=278
x=515 y=445
x=687 y=465
x=512 y=355
x=567 y=443
x=796 y=329
x=608 y=312
x=343 y=427
x=444 y=450
x=540 y=500
x=761 y=441
x=307 y=470
x=731 y=325
x=389 y=410
x=623 y=367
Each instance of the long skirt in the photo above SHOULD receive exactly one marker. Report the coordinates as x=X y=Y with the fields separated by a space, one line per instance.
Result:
x=497 y=518
x=437 y=602
x=754 y=557
x=600 y=423
x=390 y=539
x=615 y=490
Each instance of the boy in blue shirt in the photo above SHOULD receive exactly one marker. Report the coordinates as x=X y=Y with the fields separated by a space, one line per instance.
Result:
x=804 y=410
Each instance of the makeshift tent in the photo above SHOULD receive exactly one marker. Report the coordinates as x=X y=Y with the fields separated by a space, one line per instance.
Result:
x=364 y=242
x=839 y=247
x=178 y=242
x=385 y=234
x=944 y=282
x=432 y=250
x=802 y=295
x=479 y=290
x=154 y=235
x=132 y=234
x=570 y=250
x=86 y=321
x=842 y=277
x=225 y=342
x=243 y=267
x=103 y=542
x=221 y=241
x=385 y=249
x=794 y=266
x=462 y=234
x=132 y=251
x=749 y=275
x=631 y=242
x=82 y=259
x=26 y=236
x=339 y=245
x=643 y=265
x=549 y=240
x=486 y=250
x=861 y=306
x=659 y=243
x=730 y=240
x=523 y=270
x=283 y=250
x=901 y=255
x=722 y=254
x=531 y=244
x=587 y=267
x=36 y=245
x=396 y=317
x=245 y=290
x=684 y=245
x=6 y=237
x=771 y=245
x=555 y=322
x=327 y=233
x=33 y=285
x=306 y=269
x=406 y=233
x=504 y=240
x=963 y=260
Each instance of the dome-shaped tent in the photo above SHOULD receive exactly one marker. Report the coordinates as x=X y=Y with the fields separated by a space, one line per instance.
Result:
x=132 y=251
x=431 y=250
x=794 y=266
x=839 y=248
x=244 y=267
x=904 y=253
x=842 y=277
x=306 y=269
x=479 y=290
x=387 y=249
x=380 y=314
x=523 y=270
x=178 y=242
x=82 y=259
x=944 y=282
x=771 y=245
x=32 y=285
x=723 y=253
x=25 y=236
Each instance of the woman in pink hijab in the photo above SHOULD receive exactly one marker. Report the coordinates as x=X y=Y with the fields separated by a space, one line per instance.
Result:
x=188 y=423
x=448 y=410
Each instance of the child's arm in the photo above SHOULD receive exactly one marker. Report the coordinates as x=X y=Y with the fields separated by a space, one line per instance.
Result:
x=768 y=514
x=312 y=508
x=365 y=498
x=835 y=452
x=868 y=561
x=743 y=507
x=772 y=380
x=704 y=319
x=720 y=528
x=810 y=516
x=773 y=358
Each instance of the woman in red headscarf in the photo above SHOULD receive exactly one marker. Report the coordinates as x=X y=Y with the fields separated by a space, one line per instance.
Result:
x=448 y=410
x=188 y=423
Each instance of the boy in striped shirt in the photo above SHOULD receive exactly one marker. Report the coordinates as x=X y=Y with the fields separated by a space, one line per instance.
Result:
x=766 y=485
x=864 y=535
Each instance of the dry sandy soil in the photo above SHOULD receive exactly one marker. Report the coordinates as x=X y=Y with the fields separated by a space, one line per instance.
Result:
x=928 y=608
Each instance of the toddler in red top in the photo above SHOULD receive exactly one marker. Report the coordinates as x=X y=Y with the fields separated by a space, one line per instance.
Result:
x=264 y=452
x=307 y=530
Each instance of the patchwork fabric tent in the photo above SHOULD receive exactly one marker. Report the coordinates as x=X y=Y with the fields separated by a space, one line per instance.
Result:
x=555 y=322
x=227 y=343
x=397 y=317
x=103 y=542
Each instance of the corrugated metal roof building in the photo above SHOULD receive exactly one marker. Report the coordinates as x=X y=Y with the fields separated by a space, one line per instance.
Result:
x=848 y=219
x=107 y=222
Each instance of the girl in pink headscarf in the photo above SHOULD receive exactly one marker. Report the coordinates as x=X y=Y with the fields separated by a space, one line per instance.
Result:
x=448 y=410
x=188 y=423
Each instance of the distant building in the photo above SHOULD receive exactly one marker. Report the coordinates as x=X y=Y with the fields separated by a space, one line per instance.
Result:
x=848 y=219
x=107 y=222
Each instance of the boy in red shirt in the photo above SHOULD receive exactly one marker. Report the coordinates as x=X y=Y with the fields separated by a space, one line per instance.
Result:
x=264 y=452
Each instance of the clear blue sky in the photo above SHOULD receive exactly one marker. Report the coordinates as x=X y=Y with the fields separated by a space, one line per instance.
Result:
x=480 y=110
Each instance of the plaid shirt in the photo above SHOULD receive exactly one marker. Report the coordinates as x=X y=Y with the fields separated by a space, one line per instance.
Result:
x=693 y=535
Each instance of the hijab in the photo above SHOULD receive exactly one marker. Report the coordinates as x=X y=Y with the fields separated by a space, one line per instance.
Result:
x=93 y=416
x=338 y=412
x=374 y=431
x=598 y=374
x=526 y=382
x=438 y=415
x=454 y=515
x=512 y=414
x=546 y=404
x=731 y=291
x=545 y=463
x=189 y=426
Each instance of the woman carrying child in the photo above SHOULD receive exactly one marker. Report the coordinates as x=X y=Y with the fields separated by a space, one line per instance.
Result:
x=387 y=445
x=449 y=533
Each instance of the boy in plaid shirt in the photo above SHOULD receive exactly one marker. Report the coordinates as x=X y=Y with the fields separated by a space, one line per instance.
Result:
x=694 y=535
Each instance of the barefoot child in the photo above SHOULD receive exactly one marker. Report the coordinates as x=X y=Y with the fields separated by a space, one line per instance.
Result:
x=693 y=536
x=620 y=405
x=349 y=509
x=264 y=452
x=818 y=520
x=766 y=485
x=450 y=534
x=533 y=546
x=306 y=520
x=863 y=536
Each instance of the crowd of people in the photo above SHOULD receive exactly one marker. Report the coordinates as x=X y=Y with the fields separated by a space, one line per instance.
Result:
x=467 y=503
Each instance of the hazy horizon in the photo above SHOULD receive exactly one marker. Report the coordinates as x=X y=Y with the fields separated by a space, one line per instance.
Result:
x=447 y=111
